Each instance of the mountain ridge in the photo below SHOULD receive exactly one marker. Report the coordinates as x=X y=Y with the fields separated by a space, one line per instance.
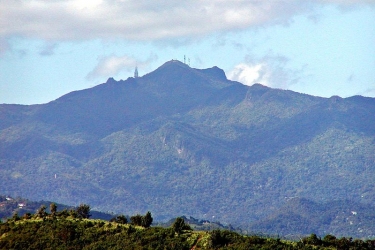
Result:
x=188 y=141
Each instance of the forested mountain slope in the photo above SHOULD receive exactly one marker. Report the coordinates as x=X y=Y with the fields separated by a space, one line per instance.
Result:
x=184 y=141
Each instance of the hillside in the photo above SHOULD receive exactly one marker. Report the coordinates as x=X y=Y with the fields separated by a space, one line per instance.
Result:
x=61 y=231
x=21 y=206
x=299 y=217
x=296 y=219
x=184 y=141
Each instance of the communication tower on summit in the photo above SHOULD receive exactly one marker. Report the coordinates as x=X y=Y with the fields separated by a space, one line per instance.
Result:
x=136 y=72
x=187 y=62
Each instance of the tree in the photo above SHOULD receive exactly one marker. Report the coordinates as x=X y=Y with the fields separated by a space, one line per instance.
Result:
x=41 y=213
x=329 y=240
x=179 y=225
x=26 y=216
x=136 y=220
x=312 y=240
x=121 y=219
x=147 y=220
x=144 y=221
x=83 y=211
x=219 y=238
x=63 y=214
x=53 y=209
x=15 y=217
x=73 y=213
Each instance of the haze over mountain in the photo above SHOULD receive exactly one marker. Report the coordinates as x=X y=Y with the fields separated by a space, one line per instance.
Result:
x=185 y=141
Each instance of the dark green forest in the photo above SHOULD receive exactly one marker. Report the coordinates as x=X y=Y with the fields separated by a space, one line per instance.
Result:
x=73 y=229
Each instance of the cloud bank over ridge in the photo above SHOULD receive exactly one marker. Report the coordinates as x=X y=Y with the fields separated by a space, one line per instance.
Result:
x=271 y=70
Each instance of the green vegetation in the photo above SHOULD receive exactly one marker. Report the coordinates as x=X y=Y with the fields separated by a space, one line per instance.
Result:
x=120 y=219
x=143 y=221
x=24 y=208
x=179 y=226
x=83 y=211
x=69 y=230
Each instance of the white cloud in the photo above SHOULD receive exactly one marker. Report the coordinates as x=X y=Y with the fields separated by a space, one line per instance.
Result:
x=110 y=66
x=271 y=71
x=247 y=74
x=141 y=19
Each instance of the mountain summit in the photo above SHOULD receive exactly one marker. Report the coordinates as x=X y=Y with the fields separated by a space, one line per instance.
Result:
x=185 y=141
x=172 y=88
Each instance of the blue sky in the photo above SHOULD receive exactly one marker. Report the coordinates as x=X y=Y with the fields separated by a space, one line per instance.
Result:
x=318 y=47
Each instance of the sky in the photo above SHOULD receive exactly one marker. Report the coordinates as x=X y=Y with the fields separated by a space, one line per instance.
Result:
x=49 y=48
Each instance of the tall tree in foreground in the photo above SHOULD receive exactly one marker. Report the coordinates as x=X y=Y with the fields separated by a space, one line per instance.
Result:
x=147 y=220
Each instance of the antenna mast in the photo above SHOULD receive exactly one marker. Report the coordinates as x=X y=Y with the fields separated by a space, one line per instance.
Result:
x=136 y=72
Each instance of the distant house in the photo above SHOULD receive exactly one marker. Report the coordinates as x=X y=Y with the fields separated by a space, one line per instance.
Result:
x=8 y=199
x=21 y=205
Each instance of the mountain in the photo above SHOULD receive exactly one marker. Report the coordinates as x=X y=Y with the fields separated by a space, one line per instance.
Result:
x=185 y=141
x=300 y=216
